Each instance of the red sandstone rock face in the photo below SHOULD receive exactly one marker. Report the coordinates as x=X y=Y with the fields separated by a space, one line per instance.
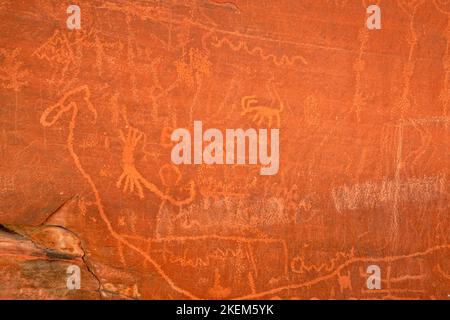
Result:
x=86 y=177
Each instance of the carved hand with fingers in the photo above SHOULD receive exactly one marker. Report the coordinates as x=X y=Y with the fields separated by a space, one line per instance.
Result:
x=131 y=179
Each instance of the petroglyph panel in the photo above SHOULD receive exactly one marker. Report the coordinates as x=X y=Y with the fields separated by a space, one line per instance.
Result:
x=86 y=177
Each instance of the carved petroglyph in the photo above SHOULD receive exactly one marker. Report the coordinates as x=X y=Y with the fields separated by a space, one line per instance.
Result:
x=58 y=52
x=300 y=264
x=371 y=195
x=131 y=179
x=48 y=119
x=258 y=52
x=56 y=49
x=363 y=175
x=261 y=113
x=217 y=291
x=68 y=103
x=335 y=274
x=403 y=103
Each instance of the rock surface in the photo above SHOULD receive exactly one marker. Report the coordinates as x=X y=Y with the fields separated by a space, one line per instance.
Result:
x=86 y=177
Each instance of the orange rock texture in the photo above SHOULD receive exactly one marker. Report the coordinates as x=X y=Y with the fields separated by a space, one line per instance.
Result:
x=86 y=177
